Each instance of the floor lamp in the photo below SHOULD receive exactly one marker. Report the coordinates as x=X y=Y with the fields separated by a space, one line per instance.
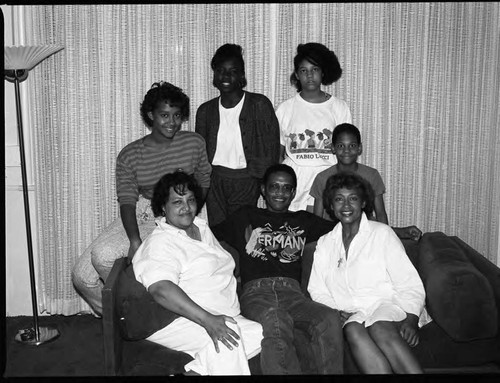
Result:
x=19 y=60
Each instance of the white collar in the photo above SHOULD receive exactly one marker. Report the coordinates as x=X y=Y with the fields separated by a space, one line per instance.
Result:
x=161 y=222
x=364 y=226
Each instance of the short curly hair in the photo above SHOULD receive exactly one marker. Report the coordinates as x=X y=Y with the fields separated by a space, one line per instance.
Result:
x=227 y=52
x=166 y=92
x=351 y=181
x=319 y=55
x=180 y=182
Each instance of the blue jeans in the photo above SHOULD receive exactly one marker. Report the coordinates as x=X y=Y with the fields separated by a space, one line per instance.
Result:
x=280 y=306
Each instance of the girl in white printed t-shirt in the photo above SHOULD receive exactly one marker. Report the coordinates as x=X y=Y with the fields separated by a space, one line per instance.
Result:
x=308 y=119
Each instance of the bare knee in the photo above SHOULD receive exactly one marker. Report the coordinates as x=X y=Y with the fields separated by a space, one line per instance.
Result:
x=355 y=334
x=368 y=356
x=386 y=336
x=384 y=333
x=353 y=331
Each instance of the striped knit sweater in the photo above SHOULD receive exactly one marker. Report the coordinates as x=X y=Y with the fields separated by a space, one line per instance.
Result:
x=139 y=167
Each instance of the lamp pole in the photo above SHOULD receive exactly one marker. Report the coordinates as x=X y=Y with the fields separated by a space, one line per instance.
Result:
x=26 y=203
x=36 y=335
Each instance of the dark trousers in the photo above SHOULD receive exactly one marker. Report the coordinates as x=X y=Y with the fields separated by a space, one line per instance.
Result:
x=279 y=305
x=229 y=190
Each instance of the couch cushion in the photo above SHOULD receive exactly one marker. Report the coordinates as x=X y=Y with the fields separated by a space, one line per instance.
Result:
x=143 y=358
x=438 y=350
x=140 y=315
x=458 y=297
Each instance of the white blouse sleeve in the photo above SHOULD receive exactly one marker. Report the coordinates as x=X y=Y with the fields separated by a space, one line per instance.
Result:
x=410 y=293
x=157 y=260
x=318 y=285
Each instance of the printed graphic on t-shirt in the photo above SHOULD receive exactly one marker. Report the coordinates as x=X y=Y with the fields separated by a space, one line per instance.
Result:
x=310 y=144
x=285 y=244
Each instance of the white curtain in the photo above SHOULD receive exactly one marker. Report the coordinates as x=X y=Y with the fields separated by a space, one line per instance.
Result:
x=421 y=79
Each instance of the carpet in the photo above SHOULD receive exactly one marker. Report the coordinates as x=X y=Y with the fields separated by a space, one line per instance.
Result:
x=78 y=351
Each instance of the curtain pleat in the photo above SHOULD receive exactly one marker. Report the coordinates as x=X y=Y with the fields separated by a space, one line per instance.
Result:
x=421 y=80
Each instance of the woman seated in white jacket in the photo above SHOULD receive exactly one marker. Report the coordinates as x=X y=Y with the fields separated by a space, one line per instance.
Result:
x=361 y=269
x=187 y=271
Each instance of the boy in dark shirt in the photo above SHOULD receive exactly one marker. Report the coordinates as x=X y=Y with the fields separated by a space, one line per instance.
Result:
x=347 y=147
x=270 y=243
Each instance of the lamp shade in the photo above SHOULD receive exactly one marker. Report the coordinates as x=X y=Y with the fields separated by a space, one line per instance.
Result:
x=27 y=57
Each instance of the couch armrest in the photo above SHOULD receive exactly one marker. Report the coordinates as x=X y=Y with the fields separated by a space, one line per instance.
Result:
x=485 y=266
x=459 y=297
x=113 y=343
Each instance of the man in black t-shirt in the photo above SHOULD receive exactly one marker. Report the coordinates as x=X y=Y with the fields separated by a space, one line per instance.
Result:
x=270 y=243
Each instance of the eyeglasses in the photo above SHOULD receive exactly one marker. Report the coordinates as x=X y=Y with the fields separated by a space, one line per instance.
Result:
x=285 y=188
x=341 y=147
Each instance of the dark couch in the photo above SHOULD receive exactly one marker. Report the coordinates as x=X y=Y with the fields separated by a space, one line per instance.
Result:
x=463 y=298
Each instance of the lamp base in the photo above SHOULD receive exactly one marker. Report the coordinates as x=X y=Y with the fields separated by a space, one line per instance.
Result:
x=28 y=335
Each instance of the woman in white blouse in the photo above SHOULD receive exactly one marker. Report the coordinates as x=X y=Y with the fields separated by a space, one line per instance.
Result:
x=361 y=269
x=187 y=271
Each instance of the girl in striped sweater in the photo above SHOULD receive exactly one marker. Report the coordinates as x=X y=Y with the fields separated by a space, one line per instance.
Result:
x=139 y=165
